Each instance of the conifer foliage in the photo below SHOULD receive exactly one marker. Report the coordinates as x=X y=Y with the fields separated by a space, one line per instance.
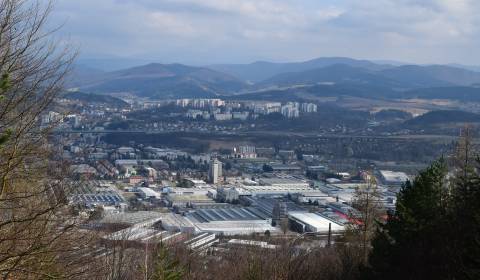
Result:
x=434 y=232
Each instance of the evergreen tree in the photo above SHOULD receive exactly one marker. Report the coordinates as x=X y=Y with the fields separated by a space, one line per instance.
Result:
x=414 y=242
x=435 y=230
x=165 y=267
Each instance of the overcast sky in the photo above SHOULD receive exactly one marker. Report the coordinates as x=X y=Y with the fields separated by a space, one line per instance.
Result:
x=216 y=31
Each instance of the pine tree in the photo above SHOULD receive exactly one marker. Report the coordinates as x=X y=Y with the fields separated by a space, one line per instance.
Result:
x=165 y=267
x=413 y=243
x=435 y=230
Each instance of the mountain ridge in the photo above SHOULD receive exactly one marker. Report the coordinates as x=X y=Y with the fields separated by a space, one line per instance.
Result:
x=160 y=81
x=165 y=81
x=262 y=70
x=404 y=77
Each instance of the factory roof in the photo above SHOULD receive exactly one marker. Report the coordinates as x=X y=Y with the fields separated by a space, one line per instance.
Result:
x=318 y=222
x=131 y=217
x=229 y=214
x=285 y=167
x=188 y=191
x=142 y=233
x=261 y=244
x=196 y=181
x=282 y=181
x=126 y=162
x=394 y=177
x=187 y=197
x=236 y=227
x=351 y=186
x=171 y=220
x=276 y=189
x=149 y=192
x=265 y=205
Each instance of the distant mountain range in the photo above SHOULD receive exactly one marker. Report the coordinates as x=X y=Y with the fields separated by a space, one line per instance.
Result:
x=466 y=67
x=82 y=74
x=95 y=98
x=262 y=70
x=333 y=74
x=165 y=81
x=400 y=77
x=108 y=63
x=261 y=79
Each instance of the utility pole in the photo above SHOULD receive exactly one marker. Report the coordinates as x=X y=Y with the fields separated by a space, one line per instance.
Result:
x=329 y=234
x=146 y=260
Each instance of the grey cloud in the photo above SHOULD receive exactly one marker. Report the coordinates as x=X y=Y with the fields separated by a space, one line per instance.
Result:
x=203 y=31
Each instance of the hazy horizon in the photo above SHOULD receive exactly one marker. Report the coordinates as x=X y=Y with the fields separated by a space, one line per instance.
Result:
x=214 y=31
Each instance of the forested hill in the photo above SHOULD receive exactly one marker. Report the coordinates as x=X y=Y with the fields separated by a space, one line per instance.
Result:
x=444 y=116
x=95 y=98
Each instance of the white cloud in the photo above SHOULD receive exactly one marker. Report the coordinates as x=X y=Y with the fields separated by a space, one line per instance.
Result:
x=170 y=24
x=225 y=30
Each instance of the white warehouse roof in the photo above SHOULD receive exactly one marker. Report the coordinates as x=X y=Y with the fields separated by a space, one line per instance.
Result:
x=317 y=222
x=147 y=192
x=236 y=227
x=394 y=177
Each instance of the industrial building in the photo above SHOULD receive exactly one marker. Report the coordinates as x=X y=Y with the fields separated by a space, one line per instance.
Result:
x=251 y=243
x=147 y=193
x=266 y=205
x=236 y=227
x=201 y=242
x=283 y=182
x=230 y=214
x=92 y=193
x=312 y=222
x=182 y=197
x=130 y=218
x=176 y=222
x=240 y=220
x=143 y=234
x=393 y=178
x=147 y=232
x=244 y=152
x=215 y=171
x=269 y=189
x=290 y=168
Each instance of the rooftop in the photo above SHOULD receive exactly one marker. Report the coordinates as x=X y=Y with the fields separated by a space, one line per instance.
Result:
x=394 y=177
x=236 y=227
x=318 y=222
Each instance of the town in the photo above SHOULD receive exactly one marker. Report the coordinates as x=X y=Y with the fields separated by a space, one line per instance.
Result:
x=259 y=140
x=214 y=199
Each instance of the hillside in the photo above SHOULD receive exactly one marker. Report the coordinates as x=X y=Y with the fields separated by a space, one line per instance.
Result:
x=344 y=75
x=432 y=76
x=320 y=90
x=165 y=81
x=82 y=74
x=263 y=70
x=443 y=117
x=401 y=78
x=95 y=98
x=391 y=115
x=466 y=94
x=336 y=74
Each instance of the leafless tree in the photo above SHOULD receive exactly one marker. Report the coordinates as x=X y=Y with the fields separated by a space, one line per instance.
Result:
x=364 y=218
x=465 y=159
x=37 y=239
